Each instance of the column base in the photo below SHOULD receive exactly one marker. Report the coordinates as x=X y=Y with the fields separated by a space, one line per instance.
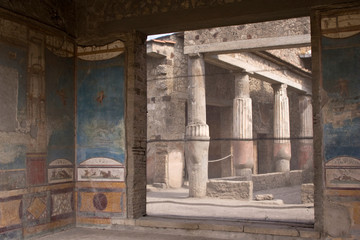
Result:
x=282 y=165
x=244 y=173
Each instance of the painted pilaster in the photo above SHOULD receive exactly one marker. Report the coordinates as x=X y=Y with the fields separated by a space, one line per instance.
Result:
x=242 y=127
x=36 y=110
x=305 y=157
x=282 y=145
x=197 y=131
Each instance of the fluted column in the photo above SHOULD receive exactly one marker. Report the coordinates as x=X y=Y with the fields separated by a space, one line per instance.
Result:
x=242 y=127
x=305 y=152
x=282 y=145
x=197 y=131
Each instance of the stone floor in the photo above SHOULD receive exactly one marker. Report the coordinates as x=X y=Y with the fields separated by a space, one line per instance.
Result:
x=172 y=205
x=101 y=234
x=286 y=207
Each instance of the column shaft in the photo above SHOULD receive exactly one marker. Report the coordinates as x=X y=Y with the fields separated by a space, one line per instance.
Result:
x=242 y=127
x=197 y=131
x=282 y=145
x=305 y=152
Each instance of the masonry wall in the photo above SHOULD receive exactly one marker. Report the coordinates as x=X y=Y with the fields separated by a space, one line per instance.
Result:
x=167 y=97
x=36 y=130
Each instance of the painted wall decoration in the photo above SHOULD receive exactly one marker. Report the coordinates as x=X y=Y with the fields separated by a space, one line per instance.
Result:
x=100 y=109
x=62 y=204
x=60 y=170
x=343 y=172
x=59 y=74
x=101 y=169
x=11 y=213
x=37 y=147
x=35 y=208
x=13 y=72
x=341 y=71
x=341 y=112
x=12 y=179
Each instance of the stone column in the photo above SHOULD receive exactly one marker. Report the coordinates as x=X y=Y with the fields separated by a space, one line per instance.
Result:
x=197 y=131
x=282 y=145
x=305 y=157
x=242 y=127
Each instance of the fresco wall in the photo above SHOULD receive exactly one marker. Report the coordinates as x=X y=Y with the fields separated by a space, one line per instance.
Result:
x=100 y=134
x=36 y=131
x=340 y=59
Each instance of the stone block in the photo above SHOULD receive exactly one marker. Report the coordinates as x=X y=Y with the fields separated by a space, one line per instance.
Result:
x=272 y=230
x=240 y=190
x=307 y=193
x=277 y=180
x=165 y=223
x=309 y=234
x=233 y=227
x=264 y=197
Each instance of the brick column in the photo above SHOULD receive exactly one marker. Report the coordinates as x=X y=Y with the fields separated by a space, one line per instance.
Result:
x=282 y=145
x=197 y=131
x=305 y=157
x=242 y=127
x=135 y=124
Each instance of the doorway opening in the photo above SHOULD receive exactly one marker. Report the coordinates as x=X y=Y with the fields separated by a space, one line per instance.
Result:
x=257 y=96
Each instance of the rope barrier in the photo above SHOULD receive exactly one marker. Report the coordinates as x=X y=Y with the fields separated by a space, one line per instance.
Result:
x=218 y=160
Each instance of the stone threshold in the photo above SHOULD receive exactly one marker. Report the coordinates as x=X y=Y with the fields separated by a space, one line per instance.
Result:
x=221 y=228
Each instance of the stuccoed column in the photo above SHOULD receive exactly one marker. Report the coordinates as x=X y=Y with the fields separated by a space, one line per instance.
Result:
x=197 y=131
x=242 y=127
x=282 y=145
x=305 y=157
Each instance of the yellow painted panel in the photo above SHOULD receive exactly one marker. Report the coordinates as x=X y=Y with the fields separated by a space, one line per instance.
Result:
x=9 y=213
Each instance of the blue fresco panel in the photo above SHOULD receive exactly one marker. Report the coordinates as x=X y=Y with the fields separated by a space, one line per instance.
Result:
x=100 y=109
x=59 y=75
x=341 y=82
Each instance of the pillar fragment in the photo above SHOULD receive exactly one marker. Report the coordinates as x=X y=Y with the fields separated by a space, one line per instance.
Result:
x=242 y=127
x=197 y=131
x=282 y=145
x=305 y=152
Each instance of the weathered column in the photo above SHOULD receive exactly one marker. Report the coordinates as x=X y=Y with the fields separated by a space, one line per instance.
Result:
x=282 y=145
x=305 y=157
x=242 y=127
x=197 y=131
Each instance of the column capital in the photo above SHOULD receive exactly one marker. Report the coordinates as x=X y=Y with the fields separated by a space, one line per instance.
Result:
x=280 y=88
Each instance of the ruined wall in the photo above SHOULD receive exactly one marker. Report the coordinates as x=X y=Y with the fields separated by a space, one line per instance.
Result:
x=36 y=130
x=167 y=93
x=340 y=87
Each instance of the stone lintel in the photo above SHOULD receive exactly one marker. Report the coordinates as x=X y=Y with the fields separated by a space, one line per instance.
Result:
x=258 y=44
x=231 y=63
